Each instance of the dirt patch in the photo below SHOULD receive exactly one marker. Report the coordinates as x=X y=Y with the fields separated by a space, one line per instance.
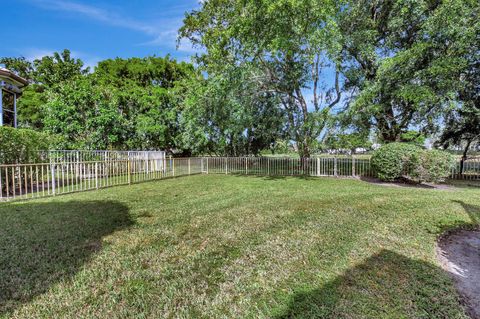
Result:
x=459 y=255
x=407 y=184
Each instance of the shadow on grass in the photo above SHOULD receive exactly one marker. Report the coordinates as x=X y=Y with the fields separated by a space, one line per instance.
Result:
x=281 y=177
x=473 y=184
x=404 y=183
x=386 y=285
x=473 y=211
x=43 y=243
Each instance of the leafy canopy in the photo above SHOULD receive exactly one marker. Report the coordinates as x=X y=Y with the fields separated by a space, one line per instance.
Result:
x=403 y=60
x=284 y=44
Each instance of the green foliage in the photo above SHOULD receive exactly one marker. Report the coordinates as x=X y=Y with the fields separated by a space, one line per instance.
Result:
x=45 y=75
x=462 y=122
x=20 y=66
x=22 y=145
x=30 y=106
x=143 y=72
x=413 y=137
x=396 y=160
x=285 y=44
x=282 y=147
x=349 y=142
x=124 y=104
x=226 y=115
x=274 y=70
x=462 y=127
x=58 y=68
x=392 y=161
x=84 y=115
x=431 y=166
x=404 y=60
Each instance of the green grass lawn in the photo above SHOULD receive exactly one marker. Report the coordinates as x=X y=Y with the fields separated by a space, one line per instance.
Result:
x=218 y=246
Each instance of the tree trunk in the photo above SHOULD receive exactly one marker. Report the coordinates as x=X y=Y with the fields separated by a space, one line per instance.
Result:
x=464 y=156
x=304 y=152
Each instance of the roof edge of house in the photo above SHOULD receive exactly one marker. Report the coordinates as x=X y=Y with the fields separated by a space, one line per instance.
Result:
x=13 y=76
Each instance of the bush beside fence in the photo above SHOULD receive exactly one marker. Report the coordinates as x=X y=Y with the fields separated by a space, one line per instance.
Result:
x=22 y=145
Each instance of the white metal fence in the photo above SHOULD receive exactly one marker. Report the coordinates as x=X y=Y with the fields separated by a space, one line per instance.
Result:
x=321 y=166
x=471 y=170
x=60 y=156
x=22 y=181
x=273 y=166
x=68 y=174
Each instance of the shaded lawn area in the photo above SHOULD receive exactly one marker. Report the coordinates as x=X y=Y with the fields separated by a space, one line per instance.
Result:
x=225 y=246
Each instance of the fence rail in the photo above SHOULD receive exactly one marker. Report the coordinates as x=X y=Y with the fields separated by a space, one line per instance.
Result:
x=56 y=156
x=471 y=170
x=289 y=166
x=320 y=166
x=22 y=181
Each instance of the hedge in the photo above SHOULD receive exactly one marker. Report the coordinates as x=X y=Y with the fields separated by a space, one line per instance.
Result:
x=22 y=145
x=431 y=166
x=400 y=160
x=392 y=161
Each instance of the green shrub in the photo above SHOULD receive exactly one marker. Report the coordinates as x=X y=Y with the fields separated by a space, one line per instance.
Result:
x=431 y=166
x=396 y=160
x=393 y=161
x=22 y=145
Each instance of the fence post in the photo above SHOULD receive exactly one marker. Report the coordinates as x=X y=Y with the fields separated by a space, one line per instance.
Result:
x=370 y=173
x=246 y=165
x=207 y=165
x=173 y=166
x=129 y=170
x=105 y=163
x=189 y=166
x=353 y=166
x=96 y=175
x=146 y=158
x=52 y=169
x=226 y=165
x=335 y=167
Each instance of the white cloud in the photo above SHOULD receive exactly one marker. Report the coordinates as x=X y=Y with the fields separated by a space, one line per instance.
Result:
x=163 y=31
x=164 y=36
x=117 y=20
x=170 y=37
x=95 y=13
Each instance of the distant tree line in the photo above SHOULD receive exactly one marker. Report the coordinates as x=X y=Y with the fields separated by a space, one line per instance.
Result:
x=272 y=75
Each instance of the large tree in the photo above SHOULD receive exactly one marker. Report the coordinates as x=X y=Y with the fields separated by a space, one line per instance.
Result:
x=462 y=122
x=85 y=116
x=285 y=44
x=44 y=74
x=124 y=104
x=403 y=60
x=227 y=115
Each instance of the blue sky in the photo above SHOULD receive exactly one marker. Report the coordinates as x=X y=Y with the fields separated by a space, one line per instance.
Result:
x=94 y=30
